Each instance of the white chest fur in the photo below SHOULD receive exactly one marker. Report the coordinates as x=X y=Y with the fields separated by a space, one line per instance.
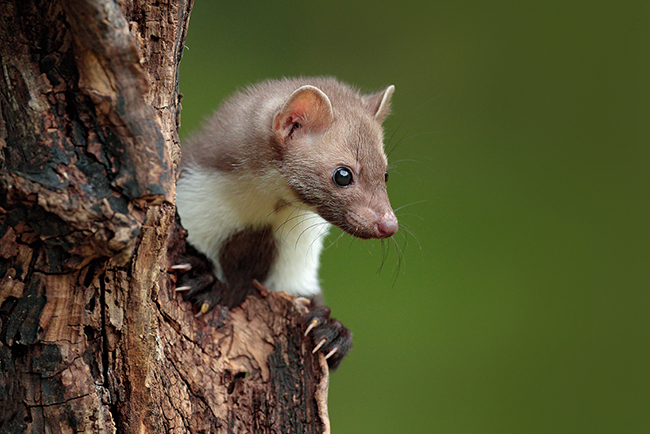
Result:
x=215 y=205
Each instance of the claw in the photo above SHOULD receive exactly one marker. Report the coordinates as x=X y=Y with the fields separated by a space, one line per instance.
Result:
x=205 y=307
x=331 y=353
x=264 y=291
x=181 y=267
x=183 y=288
x=311 y=325
x=304 y=301
x=320 y=344
x=302 y=304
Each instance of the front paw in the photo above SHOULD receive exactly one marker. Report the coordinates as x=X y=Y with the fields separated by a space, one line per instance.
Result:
x=329 y=335
x=197 y=283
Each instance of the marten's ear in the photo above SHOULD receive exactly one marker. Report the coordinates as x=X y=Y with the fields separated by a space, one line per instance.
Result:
x=379 y=103
x=307 y=107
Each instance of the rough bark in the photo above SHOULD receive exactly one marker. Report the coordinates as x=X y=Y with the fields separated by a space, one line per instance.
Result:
x=92 y=336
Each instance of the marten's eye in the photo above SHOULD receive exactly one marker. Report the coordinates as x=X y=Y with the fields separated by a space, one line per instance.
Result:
x=342 y=177
x=386 y=177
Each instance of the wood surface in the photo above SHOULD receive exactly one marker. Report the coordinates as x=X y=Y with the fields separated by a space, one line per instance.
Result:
x=93 y=337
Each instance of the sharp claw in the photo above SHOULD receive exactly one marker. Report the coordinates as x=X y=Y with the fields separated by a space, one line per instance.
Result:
x=320 y=344
x=303 y=301
x=302 y=304
x=311 y=325
x=264 y=291
x=205 y=307
x=183 y=288
x=331 y=353
x=181 y=267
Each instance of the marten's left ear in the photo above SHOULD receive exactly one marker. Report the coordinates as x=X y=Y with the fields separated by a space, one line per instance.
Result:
x=379 y=103
x=307 y=107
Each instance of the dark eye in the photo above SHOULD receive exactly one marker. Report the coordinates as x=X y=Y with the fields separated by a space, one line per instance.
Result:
x=342 y=177
x=386 y=177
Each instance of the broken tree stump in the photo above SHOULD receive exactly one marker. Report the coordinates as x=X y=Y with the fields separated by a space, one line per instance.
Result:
x=93 y=337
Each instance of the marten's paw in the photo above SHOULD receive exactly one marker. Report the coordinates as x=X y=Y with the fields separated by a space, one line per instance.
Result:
x=329 y=335
x=197 y=283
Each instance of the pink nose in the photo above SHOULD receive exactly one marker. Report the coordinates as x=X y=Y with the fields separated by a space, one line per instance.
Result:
x=386 y=226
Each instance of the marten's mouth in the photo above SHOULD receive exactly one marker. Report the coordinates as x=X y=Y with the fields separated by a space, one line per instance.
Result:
x=357 y=232
x=365 y=230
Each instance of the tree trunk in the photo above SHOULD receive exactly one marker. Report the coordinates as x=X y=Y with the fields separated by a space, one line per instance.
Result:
x=93 y=337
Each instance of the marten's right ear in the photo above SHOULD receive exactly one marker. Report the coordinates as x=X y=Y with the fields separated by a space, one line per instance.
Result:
x=379 y=103
x=307 y=107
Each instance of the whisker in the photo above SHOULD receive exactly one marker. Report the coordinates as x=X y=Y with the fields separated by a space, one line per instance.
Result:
x=385 y=250
x=298 y=220
x=421 y=133
x=284 y=205
x=395 y=146
x=335 y=240
x=316 y=238
x=410 y=214
x=400 y=259
x=412 y=203
x=393 y=163
x=292 y=218
x=299 y=223
x=411 y=113
x=408 y=230
x=308 y=228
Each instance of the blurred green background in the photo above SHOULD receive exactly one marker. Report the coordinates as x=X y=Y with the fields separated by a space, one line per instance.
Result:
x=521 y=301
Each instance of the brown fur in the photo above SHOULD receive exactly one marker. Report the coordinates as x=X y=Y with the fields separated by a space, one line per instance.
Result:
x=260 y=168
x=252 y=133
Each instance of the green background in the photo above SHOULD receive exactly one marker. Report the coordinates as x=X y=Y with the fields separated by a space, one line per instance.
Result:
x=521 y=301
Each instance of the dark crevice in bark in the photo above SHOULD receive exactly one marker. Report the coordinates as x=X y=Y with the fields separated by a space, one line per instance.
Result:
x=105 y=356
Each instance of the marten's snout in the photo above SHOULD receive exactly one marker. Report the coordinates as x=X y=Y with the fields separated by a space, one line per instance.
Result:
x=386 y=226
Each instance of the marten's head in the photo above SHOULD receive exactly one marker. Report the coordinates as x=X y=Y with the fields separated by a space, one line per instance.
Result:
x=328 y=145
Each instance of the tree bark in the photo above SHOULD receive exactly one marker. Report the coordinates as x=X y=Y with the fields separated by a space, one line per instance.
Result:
x=93 y=337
